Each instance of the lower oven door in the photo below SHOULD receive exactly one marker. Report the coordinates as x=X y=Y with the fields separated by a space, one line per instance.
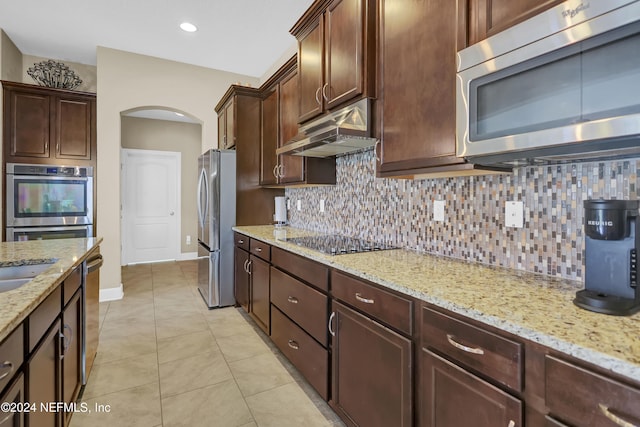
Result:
x=45 y=233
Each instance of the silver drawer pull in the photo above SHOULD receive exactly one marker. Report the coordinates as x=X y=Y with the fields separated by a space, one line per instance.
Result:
x=259 y=249
x=619 y=421
x=6 y=364
x=360 y=298
x=294 y=345
x=292 y=300
x=512 y=423
x=240 y=242
x=463 y=347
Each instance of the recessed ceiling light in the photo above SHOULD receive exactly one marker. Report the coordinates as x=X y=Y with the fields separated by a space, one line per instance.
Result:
x=188 y=27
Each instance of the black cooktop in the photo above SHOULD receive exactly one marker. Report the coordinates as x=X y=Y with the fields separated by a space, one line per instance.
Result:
x=335 y=244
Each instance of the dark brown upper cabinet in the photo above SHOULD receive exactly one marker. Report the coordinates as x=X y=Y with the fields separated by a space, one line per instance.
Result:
x=416 y=107
x=488 y=17
x=44 y=125
x=279 y=126
x=336 y=54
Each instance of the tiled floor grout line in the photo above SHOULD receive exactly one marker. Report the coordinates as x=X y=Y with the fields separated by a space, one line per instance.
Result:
x=155 y=324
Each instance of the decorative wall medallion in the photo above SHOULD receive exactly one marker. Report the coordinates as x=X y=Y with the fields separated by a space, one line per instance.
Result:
x=54 y=74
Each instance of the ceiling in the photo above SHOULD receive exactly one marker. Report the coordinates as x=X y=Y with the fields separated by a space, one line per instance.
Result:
x=240 y=36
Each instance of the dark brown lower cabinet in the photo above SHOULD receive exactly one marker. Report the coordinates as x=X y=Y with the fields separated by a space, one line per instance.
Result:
x=372 y=375
x=241 y=259
x=260 y=305
x=72 y=351
x=14 y=394
x=43 y=384
x=311 y=359
x=453 y=397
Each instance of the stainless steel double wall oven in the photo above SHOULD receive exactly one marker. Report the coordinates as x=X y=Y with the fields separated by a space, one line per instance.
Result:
x=48 y=201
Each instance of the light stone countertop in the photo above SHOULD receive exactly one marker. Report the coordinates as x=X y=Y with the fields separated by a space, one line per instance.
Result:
x=17 y=304
x=535 y=307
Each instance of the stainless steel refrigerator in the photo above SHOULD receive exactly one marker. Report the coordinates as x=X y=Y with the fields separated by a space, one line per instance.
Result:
x=216 y=215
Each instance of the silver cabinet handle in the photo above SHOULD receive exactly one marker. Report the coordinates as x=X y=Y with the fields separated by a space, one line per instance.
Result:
x=324 y=93
x=275 y=174
x=333 y=314
x=318 y=96
x=281 y=171
x=294 y=345
x=462 y=347
x=249 y=266
x=71 y=336
x=511 y=423
x=6 y=364
x=292 y=300
x=64 y=345
x=259 y=249
x=240 y=242
x=244 y=266
x=360 y=298
x=619 y=421
x=375 y=151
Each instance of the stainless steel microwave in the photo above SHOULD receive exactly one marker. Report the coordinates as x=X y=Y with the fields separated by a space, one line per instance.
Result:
x=561 y=86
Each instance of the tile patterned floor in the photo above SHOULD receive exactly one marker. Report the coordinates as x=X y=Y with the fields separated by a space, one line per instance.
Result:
x=165 y=360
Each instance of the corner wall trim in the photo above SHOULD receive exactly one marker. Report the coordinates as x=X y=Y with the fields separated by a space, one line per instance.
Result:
x=112 y=294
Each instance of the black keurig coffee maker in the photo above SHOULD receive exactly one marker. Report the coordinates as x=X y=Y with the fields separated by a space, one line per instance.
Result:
x=611 y=274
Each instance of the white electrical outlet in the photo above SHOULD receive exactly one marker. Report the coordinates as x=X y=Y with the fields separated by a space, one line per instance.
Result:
x=188 y=240
x=438 y=210
x=299 y=205
x=321 y=205
x=514 y=214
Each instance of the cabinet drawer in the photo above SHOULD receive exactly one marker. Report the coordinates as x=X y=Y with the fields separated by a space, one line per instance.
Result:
x=485 y=352
x=311 y=359
x=580 y=397
x=303 y=304
x=260 y=249
x=241 y=241
x=389 y=308
x=71 y=284
x=11 y=355
x=311 y=272
x=43 y=316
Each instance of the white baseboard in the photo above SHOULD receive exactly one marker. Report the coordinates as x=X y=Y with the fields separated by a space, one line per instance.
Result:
x=185 y=256
x=112 y=294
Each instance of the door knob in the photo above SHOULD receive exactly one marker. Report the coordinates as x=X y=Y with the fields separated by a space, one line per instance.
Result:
x=171 y=213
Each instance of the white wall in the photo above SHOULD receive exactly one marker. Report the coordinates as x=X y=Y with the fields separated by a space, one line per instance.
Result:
x=126 y=81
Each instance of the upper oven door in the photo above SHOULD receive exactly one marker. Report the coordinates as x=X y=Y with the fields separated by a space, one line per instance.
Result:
x=43 y=200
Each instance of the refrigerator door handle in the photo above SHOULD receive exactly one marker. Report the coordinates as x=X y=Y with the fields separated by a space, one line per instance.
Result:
x=202 y=182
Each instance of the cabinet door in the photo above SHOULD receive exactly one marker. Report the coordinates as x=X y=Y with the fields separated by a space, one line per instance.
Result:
x=29 y=124
x=260 y=292
x=230 y=125
x=269 y=138
x=44 y=378
x=221 y=129
x=292 y=166
x=371 y=371
x=452 y=397
x=15 y=394
x=310 y=66
x=73 y=128
x=416 y=86
x=488 y=17
x=241 y=258
x=72 y=350
x=344 y=52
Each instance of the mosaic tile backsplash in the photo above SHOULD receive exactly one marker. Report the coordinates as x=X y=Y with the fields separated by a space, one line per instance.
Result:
x=400 y=212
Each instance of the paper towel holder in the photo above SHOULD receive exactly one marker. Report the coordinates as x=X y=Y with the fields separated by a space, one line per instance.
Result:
x=280 y=215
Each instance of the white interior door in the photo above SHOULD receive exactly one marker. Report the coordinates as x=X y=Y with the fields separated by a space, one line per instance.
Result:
x=150 y=206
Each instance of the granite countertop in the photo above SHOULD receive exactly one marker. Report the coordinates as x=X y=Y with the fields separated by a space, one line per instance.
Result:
x=66 y=254
x=535 y=307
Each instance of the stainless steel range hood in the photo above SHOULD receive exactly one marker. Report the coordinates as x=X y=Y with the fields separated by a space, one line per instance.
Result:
x=340 y=132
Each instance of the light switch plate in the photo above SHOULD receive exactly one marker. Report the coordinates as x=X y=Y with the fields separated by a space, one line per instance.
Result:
x=288 y=204
x=514 y=214
x=438 y=210
x=299 y=204
x=321 y=205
